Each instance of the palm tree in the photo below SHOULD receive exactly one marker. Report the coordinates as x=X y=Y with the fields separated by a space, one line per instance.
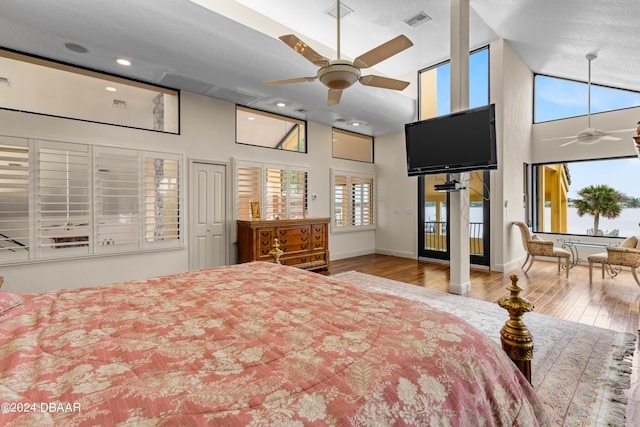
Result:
x=599 y=200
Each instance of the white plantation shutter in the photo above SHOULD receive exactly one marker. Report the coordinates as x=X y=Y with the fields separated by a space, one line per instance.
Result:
x=248 y=189
x=276 y=191
x=60 y=200
x=117 y=199
x=340 y=201
x=298 y=194
x=280 y=190
x=14 y=199
x=161 y=199
x=353 y=200
x=63 y=208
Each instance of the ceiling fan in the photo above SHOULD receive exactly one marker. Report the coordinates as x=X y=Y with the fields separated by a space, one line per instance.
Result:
x=590 y=135
x=339 y=74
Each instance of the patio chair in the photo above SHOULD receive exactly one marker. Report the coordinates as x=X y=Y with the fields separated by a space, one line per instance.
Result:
x=625 y=255
x=536 y=246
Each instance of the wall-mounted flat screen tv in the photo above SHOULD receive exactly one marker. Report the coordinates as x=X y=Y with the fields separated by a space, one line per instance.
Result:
x=458 y=142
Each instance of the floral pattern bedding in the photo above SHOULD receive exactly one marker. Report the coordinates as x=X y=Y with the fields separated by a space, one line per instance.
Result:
x=251 y=344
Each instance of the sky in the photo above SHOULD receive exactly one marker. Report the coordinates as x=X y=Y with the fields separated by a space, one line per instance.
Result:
x=620 y=174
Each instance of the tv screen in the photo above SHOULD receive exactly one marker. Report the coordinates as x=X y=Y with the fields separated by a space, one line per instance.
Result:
x=458 y=142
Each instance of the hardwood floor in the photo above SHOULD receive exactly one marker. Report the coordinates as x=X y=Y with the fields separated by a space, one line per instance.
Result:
x=610 y=303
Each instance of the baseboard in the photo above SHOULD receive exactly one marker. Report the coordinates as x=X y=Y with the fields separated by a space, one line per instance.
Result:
x=342 y=255
x=400 y=254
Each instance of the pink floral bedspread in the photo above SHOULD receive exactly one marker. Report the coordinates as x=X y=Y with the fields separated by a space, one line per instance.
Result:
x=252 y=344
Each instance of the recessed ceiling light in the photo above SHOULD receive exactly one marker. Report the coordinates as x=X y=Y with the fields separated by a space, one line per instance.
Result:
x=111 y=89
x=123 y=61
x=355 y=124
x=251 y=118
x=281 y=104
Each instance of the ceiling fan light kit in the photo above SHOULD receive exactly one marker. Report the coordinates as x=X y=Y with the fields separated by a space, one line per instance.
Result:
x=341 y=74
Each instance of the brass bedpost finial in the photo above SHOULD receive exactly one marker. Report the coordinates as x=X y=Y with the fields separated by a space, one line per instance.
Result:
x=516 y=339
x=276 y=252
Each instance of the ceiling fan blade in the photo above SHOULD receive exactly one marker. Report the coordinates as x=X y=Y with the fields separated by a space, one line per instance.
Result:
x=303 y=49
x=334 y=97
x=382 y=52
x=559 y=137
x=383 y=82
x=288 y=81
x=620 y=130
x=609 y=138
x=568 y=143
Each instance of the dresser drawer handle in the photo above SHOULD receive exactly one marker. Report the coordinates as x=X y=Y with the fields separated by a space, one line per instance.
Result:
x=283 y=241
x=304 y=239
x=265 y=233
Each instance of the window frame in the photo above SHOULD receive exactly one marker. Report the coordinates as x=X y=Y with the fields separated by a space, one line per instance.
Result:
x=586 y=103
x=274 y=116
x=350 y=208
x=536 y=199
x=263 y=169
x=356 y=135
x=101 y=78
x=85 y=245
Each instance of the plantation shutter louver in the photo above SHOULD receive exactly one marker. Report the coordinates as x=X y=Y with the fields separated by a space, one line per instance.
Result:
x=297 y=194
x=63 y=199
x=117 y=199
x=341 y=201
x=14 y=199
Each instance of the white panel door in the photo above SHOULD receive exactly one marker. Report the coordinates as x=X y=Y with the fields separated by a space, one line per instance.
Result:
x=208 y=234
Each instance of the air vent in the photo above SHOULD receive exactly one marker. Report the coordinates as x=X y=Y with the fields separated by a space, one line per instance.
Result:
x=344 y=11
x=417 y=19
x=4 y=81
x=119 y=103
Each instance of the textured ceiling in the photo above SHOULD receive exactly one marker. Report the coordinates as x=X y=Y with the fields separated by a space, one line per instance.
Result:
x=226 y=48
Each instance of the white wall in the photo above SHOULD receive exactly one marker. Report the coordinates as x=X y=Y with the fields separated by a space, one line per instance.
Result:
x=397 y=194
x=512 y=91
x=207 y=133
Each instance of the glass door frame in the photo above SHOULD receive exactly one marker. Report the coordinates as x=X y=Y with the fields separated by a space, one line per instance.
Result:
x=477 y=259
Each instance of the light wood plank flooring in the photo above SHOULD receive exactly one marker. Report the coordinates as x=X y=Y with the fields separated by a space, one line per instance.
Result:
x=610 y=303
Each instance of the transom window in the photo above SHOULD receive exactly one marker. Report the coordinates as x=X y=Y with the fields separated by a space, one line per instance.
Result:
x=255 y=127
x=556 y=98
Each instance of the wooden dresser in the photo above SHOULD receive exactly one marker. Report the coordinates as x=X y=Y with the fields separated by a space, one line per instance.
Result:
x=304 y=242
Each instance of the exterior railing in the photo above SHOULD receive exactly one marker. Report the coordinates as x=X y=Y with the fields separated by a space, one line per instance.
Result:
x=435 y=237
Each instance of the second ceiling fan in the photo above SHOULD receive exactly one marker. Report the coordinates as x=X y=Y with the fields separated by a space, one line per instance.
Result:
x=590 y=135
x=339 y=74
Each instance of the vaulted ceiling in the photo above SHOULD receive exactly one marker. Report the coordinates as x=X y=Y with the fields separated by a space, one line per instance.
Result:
x=227 y=49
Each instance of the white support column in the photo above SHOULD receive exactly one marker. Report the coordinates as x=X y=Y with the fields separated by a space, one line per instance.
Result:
x=460 y=264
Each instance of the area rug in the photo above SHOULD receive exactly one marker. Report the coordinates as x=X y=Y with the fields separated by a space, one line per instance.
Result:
x=579 y=371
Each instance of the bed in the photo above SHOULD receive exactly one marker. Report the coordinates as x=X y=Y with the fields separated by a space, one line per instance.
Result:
x=249 y=344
